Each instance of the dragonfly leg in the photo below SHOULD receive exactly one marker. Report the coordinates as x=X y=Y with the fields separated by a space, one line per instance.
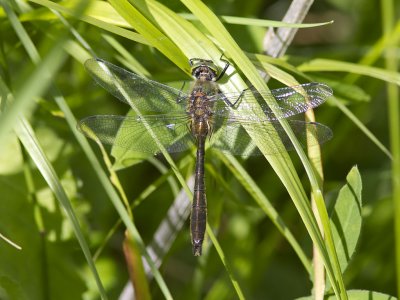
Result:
x=233 y=104
x=227 y=64
x=179 y=98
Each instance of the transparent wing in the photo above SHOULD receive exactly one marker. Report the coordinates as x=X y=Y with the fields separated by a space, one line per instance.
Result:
x=141 y=93
x=233 y=137
x=290 y=101
x=130 y=132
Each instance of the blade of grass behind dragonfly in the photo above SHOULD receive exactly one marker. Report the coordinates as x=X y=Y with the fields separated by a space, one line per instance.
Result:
x=280 y=163
x=314 y=155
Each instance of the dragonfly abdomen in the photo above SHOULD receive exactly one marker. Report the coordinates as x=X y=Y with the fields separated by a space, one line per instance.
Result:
x=198 y=219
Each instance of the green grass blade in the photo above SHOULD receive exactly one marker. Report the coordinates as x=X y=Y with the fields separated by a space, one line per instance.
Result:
x=329 y=65
x=260 y=22
x=392 y=64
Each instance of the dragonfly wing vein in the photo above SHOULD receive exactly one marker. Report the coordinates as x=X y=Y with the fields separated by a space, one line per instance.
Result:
x=290 y=101
x=140 y=134
x=234 y=136
x=138 y=92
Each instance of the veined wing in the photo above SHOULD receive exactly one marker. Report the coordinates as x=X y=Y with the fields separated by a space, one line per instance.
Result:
x=144 y=94
x=130 y=132
x=290 y=101
x=234 y=138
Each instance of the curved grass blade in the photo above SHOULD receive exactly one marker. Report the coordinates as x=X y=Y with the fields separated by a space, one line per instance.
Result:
x=329 y=65
x=260 y=22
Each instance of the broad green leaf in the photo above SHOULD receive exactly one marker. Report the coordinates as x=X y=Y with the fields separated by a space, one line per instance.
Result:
x=346 y=218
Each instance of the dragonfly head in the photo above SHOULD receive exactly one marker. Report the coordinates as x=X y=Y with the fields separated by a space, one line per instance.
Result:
x=203 y=69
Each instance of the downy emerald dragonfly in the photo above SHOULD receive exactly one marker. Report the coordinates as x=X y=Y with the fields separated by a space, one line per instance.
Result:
x=168 y=117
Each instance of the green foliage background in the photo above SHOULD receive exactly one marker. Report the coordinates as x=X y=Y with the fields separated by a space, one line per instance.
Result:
x=50 y=182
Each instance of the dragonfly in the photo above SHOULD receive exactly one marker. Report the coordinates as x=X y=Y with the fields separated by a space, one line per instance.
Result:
x=164 y=117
